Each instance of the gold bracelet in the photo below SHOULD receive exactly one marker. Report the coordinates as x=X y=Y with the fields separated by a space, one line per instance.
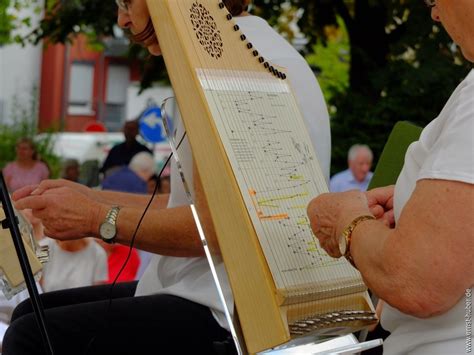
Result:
x=346 y=237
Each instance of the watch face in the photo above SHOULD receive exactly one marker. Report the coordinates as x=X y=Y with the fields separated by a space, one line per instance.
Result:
x=342 y=245
x=107 y=230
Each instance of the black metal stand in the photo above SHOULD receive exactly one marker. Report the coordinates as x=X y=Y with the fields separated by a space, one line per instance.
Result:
x=11 y=223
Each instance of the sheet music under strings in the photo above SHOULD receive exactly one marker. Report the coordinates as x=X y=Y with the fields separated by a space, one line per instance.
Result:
x=277 y=170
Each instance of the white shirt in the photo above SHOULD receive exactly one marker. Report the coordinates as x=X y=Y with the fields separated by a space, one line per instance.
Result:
x=66 y=269
x=445 y=151
x=190 y=278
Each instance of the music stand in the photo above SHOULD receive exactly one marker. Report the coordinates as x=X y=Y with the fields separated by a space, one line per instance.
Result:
x=11 y=223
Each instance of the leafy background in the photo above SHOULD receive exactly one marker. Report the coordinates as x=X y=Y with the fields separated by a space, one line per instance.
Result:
x=378 y=61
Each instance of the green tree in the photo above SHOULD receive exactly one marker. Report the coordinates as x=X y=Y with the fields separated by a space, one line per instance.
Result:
x=402 y=65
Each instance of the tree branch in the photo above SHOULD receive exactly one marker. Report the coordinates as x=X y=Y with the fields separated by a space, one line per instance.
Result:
x=343 y=11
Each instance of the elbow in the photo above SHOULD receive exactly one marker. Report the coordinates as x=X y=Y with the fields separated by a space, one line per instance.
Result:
x=420 y=303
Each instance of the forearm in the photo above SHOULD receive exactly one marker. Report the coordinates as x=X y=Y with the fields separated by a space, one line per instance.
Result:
x=170 y=232
x=368 y=249
x=131 y=200
x=397 y=271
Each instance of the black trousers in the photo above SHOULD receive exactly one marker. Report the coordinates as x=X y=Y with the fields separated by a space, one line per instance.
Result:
x=78 y=323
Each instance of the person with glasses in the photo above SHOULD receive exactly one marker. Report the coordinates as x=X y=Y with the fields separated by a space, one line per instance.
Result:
x=175 y=308
x=414 y=242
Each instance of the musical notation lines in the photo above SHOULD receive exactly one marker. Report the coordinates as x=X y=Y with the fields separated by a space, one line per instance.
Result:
x=274 y=163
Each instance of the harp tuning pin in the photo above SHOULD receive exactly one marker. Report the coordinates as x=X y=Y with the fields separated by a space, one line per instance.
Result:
x=261 y=59
x=249 y=45
x=283 y=76
x=221 y=5
x=255 y=53
x=243 y=37
x=229 y=17
x=266 y=65
x=236 y=27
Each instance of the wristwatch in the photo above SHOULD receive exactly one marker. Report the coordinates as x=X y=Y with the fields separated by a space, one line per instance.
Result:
x=346 y=237
x=108 y=228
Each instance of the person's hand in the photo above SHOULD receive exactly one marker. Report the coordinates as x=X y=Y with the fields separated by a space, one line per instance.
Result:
x=65 y=212
x=51 y=184
x=330 y=213
x=380 y=202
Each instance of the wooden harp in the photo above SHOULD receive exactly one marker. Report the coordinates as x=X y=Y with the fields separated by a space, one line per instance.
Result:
x=258 y=171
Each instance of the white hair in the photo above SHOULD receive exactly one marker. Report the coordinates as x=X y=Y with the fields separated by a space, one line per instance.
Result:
x=356 y=148
x=142 y=162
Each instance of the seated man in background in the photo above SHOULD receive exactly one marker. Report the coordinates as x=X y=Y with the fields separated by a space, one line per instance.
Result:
x=134 y=177
x=358 y=175
x=123 y=153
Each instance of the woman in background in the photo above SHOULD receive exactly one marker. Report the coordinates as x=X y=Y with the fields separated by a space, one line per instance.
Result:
x=26 y=169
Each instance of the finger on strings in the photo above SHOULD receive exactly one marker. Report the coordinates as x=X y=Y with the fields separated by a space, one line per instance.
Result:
x=46 y=185
x=31 y=202
x=23 y=192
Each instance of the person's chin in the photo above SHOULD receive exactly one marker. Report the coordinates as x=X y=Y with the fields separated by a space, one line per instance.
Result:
x=154 y=49
x=468 y=54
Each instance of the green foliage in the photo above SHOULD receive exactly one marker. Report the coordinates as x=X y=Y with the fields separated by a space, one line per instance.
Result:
x=24 y=124
x=332 y=61
x=12 y=18
x=401 y=65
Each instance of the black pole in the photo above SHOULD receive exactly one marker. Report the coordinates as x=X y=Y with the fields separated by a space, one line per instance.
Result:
x=11 y=223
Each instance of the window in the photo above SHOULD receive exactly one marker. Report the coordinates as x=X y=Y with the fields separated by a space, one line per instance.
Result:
x=118 y=80
x=81 y=87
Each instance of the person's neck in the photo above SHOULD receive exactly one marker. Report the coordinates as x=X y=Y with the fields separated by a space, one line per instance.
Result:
x=130 y=143
x=26 y=163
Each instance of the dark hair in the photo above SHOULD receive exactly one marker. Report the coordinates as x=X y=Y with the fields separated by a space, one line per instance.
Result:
x=31 y=143
x=236 y=7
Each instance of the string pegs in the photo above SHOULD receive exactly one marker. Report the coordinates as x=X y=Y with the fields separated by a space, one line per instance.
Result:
x=249 y=45
x=261 y=60
x=229 y=17
x=221 y=5
x=255 y=53
x=236 y=27
x=243 y=37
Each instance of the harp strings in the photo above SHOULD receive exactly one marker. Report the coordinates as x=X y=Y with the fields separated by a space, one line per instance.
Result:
x=242 y=83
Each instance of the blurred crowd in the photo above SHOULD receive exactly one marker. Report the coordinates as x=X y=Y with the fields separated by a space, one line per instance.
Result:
x=129 y=167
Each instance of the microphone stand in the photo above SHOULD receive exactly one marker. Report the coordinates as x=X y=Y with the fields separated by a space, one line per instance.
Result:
x=11 y=223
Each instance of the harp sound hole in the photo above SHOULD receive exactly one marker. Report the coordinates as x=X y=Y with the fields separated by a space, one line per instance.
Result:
x=205 y=28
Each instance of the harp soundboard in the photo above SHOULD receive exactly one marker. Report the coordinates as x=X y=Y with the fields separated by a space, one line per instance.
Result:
x=258 y=171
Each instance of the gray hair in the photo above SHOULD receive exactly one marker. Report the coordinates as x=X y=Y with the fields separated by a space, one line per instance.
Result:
x=356 y=148
x=142 y=162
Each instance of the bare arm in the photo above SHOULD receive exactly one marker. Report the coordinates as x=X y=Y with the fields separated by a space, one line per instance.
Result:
x=106 y=197
x=424 y=265
x=71 y=211
x=131 y=200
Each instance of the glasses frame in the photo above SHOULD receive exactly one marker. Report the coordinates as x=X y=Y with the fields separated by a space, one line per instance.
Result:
x=123 y=5
x=430 y=3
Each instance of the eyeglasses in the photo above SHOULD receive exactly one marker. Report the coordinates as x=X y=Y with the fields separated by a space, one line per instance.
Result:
x=123 y=5
x=430 y=3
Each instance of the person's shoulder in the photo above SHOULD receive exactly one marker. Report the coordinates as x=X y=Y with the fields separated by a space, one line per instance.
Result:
x=42 y=165
x=467 y=89
x=144 y=148
x=340 y=176
x=116 y=147
x=11 y=165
